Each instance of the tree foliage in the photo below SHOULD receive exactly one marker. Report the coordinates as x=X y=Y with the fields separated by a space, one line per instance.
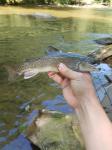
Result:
x=43 y=2
x=104 y=1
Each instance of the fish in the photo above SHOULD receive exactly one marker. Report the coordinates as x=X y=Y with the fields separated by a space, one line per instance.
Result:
x=32 y=67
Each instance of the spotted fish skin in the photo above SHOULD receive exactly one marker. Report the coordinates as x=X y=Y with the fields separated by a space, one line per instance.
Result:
x=32 y=67
x=48 y=63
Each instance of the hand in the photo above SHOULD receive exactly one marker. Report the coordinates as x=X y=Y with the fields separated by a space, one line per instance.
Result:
x=79 y=92
x=76 y=86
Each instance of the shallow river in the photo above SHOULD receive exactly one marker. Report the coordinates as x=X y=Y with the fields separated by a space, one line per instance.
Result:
x=23 y=37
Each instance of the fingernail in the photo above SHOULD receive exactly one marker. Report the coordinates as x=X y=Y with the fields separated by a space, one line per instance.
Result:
x=50 y=73
x=51 y=76
x=61 y=67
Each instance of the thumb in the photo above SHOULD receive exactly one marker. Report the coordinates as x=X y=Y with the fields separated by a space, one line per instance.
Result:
x=65 y=71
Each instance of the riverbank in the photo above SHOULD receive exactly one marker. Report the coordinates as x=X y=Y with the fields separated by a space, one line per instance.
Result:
x=95 y=5
x=60 y=11
x=60 y=6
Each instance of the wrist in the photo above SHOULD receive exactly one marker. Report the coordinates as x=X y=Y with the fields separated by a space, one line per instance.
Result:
x=86 y=102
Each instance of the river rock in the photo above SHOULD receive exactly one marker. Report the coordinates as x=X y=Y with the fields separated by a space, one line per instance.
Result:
x=43 y=16
x=104 y=41
x=102 y=55
x=54 y=130
x=107 y=101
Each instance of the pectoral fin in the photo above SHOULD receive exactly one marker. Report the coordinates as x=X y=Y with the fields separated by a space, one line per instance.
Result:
x=30 y=74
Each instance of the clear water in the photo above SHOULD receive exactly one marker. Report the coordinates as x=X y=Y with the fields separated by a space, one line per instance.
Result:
x=23 y=37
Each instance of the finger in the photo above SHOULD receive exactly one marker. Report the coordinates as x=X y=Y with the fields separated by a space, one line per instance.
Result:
x=64 y=82
x=65 y=71
x=50 y=73
x=69 y=96
x=57 y=78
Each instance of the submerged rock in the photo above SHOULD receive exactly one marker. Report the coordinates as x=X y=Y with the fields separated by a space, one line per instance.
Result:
x=43 y=16
x=104 y=41
x=40 y=16
x=54 y=130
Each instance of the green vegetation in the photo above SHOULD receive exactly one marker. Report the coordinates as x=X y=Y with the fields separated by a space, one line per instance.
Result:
x=50 y=2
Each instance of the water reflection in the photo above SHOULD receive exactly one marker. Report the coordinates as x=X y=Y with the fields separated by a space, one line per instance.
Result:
x=23 y=37
x=63 y=33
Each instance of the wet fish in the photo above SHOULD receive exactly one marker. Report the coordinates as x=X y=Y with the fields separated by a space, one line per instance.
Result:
x=50 y=62
x=32 y=67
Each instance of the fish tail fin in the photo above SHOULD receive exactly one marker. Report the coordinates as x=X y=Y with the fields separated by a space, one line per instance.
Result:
x=12 y=74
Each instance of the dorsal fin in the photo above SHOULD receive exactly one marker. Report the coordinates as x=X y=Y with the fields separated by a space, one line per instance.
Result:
x=52 y=51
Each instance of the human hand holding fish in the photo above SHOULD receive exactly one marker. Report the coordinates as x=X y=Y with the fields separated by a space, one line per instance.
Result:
x=79 y=92
x=76 y=86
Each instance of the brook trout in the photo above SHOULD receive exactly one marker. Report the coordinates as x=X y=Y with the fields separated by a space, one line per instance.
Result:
x=32 y=67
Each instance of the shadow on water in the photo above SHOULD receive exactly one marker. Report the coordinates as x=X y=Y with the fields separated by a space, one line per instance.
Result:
x=23 y=37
